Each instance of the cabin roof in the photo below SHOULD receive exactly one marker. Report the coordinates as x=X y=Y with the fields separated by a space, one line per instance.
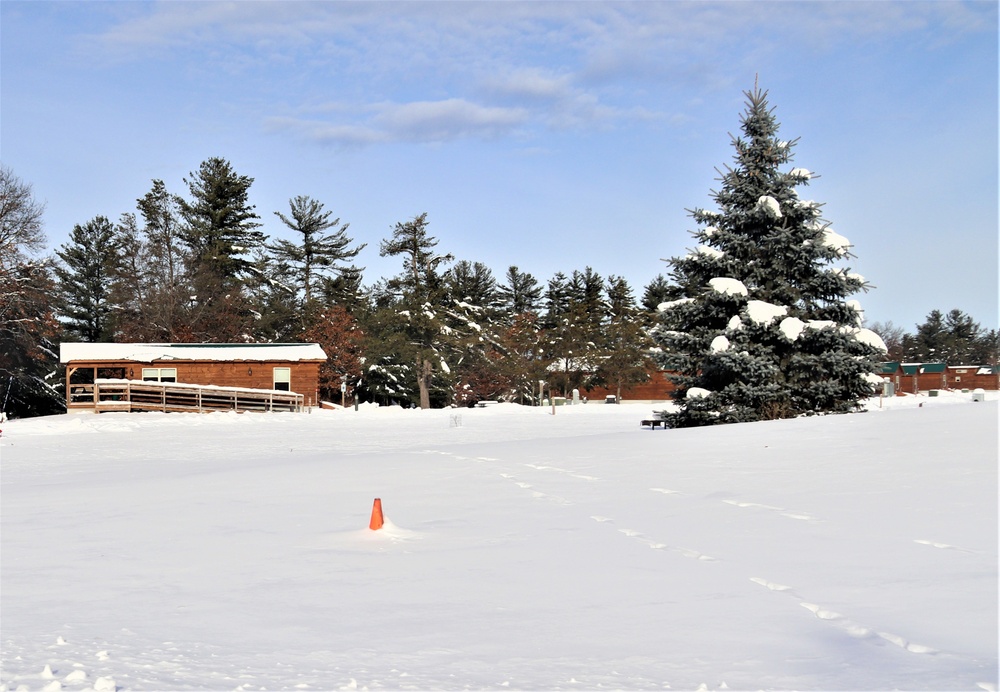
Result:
x=980 y=369
x=922 y=368
x=147 y=353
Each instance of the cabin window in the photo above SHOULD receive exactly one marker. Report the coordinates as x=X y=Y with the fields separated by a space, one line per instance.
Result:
x=159 y=374
x=283 y=379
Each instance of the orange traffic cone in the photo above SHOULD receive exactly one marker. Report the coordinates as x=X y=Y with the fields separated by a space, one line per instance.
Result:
x=377 y=519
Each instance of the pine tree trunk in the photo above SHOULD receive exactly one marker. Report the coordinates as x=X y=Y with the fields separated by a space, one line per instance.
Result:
x=423 y=381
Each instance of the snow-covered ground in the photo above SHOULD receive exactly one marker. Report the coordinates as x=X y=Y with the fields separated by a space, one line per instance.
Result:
x=523 y=550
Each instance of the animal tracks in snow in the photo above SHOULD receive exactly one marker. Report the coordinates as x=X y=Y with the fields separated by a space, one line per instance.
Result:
x=567 y=472
x=943 y=546
x=458 y=456
x=802 y=516
x=654 y=545
x=538 y=495
x=770 y=585
x=845 y=624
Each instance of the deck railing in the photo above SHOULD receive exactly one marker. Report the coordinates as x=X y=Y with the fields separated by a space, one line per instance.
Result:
x=135 y=395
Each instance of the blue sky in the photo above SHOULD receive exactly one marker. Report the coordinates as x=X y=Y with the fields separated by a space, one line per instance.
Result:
x=553 y=136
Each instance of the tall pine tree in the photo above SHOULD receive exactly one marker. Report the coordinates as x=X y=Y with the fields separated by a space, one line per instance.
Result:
x=88 y=276
x=161 y=269
x=521 y=293
x=321 y=248
x=954 y=338
x=421 y=291
x=759 y=325
x=220 y=223
x=625 y=341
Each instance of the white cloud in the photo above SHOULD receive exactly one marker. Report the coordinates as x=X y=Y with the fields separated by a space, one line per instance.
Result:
x=488 y=69
x=448 y=119
x=419 y=121
x=531 y=84
x=327 y=133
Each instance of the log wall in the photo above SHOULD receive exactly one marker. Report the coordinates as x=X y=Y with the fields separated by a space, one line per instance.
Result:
x=658 y=388
x=254 y=375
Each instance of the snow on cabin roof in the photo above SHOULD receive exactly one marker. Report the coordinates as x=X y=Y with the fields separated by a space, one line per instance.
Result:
x=146 y=353
x=922 y=368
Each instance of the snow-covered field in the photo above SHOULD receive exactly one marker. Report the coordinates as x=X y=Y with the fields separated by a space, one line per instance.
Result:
x=523 y=550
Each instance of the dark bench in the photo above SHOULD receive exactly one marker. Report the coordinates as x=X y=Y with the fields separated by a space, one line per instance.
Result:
x=653 y=423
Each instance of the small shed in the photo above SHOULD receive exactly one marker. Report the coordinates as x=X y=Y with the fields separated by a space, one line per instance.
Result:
x=206 y=371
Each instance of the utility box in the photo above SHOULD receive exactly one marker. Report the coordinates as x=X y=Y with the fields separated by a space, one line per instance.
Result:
x=610 y=399
x=978 y=395
x=888 y=388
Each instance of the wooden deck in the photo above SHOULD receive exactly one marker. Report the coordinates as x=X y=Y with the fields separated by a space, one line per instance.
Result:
x=135 y=395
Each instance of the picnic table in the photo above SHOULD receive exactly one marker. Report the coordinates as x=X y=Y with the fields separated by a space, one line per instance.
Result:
x=658 y=420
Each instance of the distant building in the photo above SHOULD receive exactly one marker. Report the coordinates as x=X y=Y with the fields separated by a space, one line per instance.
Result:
x=195 y=375
x=913 y=378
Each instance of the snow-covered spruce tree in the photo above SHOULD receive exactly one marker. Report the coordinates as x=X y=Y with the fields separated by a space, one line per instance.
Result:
x=758 y=324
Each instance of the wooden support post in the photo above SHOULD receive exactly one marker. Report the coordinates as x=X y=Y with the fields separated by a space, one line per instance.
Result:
x=69 y=391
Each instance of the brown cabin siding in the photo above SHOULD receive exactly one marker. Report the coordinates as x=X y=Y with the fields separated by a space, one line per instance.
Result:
x=250 y=374
x=967 y=377
x=953 y=377
x=658 y=388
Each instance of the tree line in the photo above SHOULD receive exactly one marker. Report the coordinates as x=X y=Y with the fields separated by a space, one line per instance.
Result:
x=953 y=337
x=198 y=268
x=754 y=323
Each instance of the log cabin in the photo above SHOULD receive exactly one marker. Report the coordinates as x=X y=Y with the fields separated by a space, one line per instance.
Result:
x=186 y=377
x=914 y=378
x=973 y=377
